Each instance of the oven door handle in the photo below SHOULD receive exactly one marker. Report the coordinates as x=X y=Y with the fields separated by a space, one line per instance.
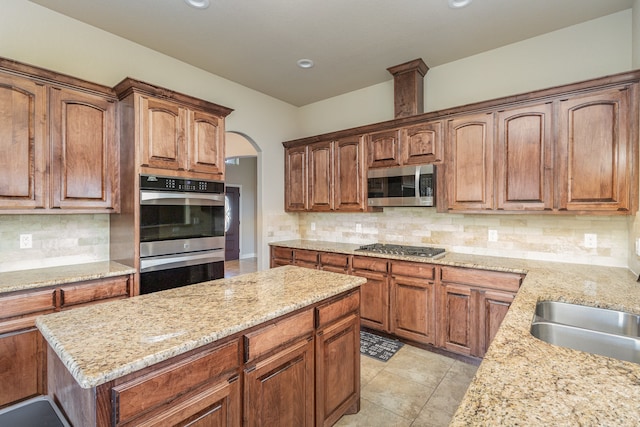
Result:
x=181 y=199
x=167 y=262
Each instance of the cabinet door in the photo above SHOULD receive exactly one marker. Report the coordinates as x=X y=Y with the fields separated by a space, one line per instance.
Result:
x=295 y=179
x=161 y=133
x=21 y=370
x=374 y=300
x=321 y=176
x=470 y=163
x=422 y=144
x=493 y=307
x=84 y=158
x=413 y=309
x=337 y=370
x=524 y=159
x=206 y=143
x=595 y=151
x=22 y=143
x=383 y=149
x=457 y=318
x=305 y=258
x=279 y=391
x=350 y=180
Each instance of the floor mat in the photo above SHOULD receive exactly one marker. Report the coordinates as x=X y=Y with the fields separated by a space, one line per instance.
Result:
x=378 y=347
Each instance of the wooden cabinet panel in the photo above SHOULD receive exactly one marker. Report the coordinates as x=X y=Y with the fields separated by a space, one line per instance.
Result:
x=524 y=159
x=206 y=143
x=279 y=391
x=24 y=303
x=321 y=176
x=84 y=161
x=338 y=369
x=350 y=178
x=374 y=295
x=595 y=151
x=422 y=143
x=305 y=258
x=333 y=311
x=456 y=317
x=295 y=179
x=269 y=338
x=383 y=149
x=281 y=256
x=22 y=143
x=496 y=280
x=470 y=163
x=21 y=375
x=338 y=263
x=413 y=314
x=493 y=309
x=133 y=398
x=161 y=133
x=95 y=291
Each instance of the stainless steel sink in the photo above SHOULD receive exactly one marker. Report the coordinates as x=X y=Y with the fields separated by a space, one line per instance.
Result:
x=594 y=330
x=582 y=316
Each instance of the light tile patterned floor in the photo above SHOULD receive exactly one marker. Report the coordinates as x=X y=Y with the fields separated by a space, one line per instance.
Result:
x=415 y=388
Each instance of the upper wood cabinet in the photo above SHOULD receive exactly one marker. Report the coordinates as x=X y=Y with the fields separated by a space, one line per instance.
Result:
x=523 y=166
x=596 y=154
x=469 y=179
x=409 y=145
x=58 y=143
x=173 y=134
x=22 y=143
x=84 y=153
x=326 y=176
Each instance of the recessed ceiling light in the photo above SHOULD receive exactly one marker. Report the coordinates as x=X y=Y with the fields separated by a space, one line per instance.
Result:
x=458 y=4
x=305 y=63
x=198 y=4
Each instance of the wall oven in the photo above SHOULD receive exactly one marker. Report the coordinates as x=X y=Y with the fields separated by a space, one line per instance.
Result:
x=181 y=232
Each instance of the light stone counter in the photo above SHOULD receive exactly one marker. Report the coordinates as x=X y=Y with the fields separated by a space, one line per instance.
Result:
x=527 y=382
x=105 y=341
x=53 y=276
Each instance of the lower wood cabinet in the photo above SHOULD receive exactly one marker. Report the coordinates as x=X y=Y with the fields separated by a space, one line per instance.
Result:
x=22 y=355
x=374 y=295
x=413 y=302
x=472 y=304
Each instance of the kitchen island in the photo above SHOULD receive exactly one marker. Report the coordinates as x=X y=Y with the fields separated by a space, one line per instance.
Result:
x=523 y=380
x=205 y=351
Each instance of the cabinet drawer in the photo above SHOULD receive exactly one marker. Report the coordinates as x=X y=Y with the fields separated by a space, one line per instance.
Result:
x=134 y=397
x=271 y=337
x=26 y=303
x=94 y=291
x=282 y=253
x=331 y=311
x=413 y=269
x=306 y=256
x=337 y=260
x=369 y=263
x=509 y=282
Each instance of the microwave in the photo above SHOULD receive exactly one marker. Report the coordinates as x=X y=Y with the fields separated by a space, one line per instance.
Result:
x=402 y=186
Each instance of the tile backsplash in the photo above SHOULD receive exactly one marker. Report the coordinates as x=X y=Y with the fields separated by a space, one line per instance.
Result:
x=56 y=240
x=540 y=237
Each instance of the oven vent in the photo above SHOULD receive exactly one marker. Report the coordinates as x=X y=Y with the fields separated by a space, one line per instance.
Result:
x=408 y=87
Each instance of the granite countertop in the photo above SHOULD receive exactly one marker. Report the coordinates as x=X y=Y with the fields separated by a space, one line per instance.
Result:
x=525 y=381
x=105 y=341
x=52 y=276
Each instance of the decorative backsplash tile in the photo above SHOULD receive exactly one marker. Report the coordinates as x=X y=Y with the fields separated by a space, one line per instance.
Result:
x=56 y=240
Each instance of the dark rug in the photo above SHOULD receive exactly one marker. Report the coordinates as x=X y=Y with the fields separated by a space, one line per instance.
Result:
x=378 y=347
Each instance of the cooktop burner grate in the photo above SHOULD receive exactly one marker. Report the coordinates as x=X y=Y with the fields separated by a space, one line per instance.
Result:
x=420 y=251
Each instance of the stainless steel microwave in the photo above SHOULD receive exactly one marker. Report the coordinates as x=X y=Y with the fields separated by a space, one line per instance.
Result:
x=402 y=186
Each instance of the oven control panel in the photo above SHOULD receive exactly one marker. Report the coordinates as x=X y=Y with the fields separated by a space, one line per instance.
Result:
x=181 y=185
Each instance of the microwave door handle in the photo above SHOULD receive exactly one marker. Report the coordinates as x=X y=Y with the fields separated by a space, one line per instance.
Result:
x=417 y=182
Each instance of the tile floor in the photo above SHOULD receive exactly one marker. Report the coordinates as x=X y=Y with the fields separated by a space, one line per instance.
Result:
x=415 y=388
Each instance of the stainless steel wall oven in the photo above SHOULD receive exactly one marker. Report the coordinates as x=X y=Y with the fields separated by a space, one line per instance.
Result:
x=181 y=232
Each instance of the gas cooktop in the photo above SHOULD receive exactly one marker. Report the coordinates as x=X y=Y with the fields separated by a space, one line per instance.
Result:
x=421 y=251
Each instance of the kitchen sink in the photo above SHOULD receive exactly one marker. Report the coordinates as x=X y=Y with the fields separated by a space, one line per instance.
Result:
x=594 y=330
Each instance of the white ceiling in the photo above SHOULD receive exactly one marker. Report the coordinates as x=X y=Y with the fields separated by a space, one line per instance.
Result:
x=256 y=43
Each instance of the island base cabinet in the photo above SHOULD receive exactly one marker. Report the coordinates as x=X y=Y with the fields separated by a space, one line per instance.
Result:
x=21 y=374
x=279 y=390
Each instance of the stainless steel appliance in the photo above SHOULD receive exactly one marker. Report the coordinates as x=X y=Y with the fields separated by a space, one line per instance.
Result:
x=402 y=186
x=419 y=251
x=181 y=232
